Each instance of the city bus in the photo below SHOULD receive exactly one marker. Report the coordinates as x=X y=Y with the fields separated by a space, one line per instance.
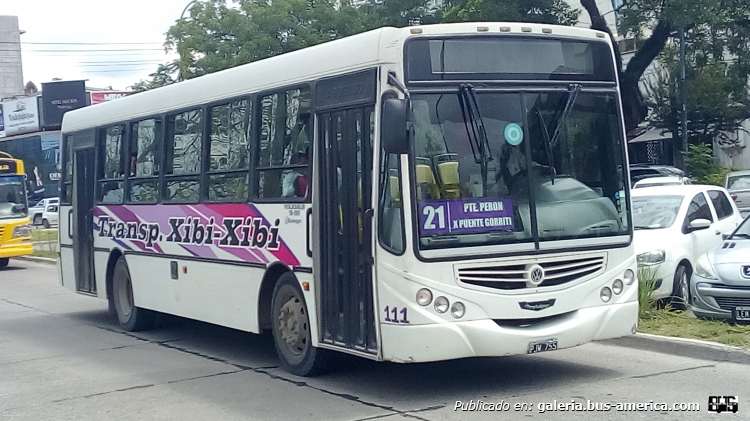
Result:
x=15 y=228
x=406 y=194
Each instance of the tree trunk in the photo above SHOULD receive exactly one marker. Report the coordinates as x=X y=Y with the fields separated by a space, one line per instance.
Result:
x=633 y=107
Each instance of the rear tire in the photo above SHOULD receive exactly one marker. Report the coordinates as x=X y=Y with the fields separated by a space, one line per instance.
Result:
x=680 y=298
x=131 y=318
x=291 y=330
x=4 y=262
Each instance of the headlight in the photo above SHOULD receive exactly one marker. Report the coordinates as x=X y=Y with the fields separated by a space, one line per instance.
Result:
x=424 y=297
x=441 y=304
x=21 y=231
x=703 y=268
x=652 y=257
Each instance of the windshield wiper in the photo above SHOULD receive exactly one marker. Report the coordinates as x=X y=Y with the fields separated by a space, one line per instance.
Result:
x=475 y=129
x=741 y=235
x=550 y=142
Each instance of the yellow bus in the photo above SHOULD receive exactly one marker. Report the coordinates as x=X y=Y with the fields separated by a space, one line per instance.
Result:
x=15 y=228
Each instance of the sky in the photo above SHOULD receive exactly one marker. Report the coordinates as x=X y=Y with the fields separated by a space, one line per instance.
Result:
x=66 y=39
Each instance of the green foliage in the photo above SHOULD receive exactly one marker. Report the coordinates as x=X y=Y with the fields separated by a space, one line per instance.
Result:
x=216 y=36
x=647 y=305
x=702 y=166
x=539 y=11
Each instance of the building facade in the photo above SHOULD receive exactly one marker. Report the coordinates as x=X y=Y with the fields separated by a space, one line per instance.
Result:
x=11 y=70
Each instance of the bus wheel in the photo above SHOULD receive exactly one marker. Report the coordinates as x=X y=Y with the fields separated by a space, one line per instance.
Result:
x=131 y=318
x=4 y=262
x=291 y=330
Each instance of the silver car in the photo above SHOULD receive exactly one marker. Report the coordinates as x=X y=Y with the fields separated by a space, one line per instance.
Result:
x=720 y=285
x=738 y=184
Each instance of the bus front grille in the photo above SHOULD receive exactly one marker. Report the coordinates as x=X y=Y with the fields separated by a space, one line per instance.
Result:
x=518 y=276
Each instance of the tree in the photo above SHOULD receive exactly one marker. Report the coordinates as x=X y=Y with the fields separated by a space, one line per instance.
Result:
x=721 y=26
x=215 y=37
x=165 y=74
x=537 y=11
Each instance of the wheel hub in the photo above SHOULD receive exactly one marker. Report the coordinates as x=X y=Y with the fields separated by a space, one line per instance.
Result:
x=293 y=325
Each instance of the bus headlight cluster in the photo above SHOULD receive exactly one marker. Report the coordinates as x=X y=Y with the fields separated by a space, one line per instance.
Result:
x=605 y=294
x=424 y=297
x=617 y=286
x=441 y=305
x=21 y=231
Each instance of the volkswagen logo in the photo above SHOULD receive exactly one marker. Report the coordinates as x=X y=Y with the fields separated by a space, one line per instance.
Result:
x=536 y=276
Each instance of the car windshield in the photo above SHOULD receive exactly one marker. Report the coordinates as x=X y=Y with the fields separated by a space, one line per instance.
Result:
x=739 y=182
x=12 y=197
x=485 y=162
x=742 y=232
x=654 y=212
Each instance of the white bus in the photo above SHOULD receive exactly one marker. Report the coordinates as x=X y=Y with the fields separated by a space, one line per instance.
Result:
x=409 y=195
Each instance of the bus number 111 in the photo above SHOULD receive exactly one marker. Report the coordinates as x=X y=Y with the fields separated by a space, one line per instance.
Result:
x=391 y=315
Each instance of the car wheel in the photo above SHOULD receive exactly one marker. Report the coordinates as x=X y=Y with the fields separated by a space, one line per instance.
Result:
x=38 y=219
x=131 y=318
x=681 y=292
x=45 y=223
x=4 y=262
x=291 y=330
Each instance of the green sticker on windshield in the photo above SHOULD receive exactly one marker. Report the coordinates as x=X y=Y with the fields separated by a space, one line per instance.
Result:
x=513 y=134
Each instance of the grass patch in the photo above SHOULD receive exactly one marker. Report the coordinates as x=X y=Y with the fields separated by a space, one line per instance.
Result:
x=43 y=235
x=45 y=253
x=660 y=319
x=685 y=325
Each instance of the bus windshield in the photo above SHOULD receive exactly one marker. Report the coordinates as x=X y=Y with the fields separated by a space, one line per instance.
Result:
x=499 y=167
x=12 y=197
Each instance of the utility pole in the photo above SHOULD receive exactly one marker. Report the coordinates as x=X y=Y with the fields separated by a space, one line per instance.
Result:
x=683 y=92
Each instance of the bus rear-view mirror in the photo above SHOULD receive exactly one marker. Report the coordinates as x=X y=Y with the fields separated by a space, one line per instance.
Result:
x=394 y=129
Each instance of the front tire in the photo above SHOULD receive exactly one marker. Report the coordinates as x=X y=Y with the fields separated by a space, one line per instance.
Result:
x=38 y=219
x=291 y=330
x=45 y=223
x=131 y=318
x=4 y=262
x=680 y=298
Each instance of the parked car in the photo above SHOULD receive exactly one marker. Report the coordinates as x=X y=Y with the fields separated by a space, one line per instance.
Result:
x=673 y=226
x=720 y=286
x=639 y=171
x=661 y=181
x=35 y=212
x=738 y=184
x=49 y=216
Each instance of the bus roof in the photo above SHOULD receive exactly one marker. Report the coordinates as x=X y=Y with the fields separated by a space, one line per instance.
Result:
x=339 y=56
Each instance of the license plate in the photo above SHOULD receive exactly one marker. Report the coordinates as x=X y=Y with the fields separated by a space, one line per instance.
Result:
x=542 y=346
x=742 y=313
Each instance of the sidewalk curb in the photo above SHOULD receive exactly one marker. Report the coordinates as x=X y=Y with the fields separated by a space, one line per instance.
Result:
x=693 y=348
x=38 y=259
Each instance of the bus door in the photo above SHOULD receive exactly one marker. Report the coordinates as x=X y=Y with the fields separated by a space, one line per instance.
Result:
x=345 y=228
x=83 y=223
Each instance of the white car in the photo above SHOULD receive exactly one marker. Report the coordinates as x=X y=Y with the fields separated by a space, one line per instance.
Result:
x=49 y=216
x=661 y=181
x=673 y=226
x=36 y=211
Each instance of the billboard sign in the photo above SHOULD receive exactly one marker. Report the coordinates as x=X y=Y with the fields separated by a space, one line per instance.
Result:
x=99 y=97
x=59 y=98
x=20 y=116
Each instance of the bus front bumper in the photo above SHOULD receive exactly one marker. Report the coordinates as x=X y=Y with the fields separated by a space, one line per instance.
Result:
x=488 y=338
x=16 y=249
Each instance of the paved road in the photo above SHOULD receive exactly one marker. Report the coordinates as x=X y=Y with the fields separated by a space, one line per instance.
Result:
x=63 y=358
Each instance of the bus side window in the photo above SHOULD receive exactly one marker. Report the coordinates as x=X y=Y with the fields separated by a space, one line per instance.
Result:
x=284 y=145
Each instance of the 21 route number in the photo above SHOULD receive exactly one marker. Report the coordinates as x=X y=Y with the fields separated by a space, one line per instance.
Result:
x=431 y=212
